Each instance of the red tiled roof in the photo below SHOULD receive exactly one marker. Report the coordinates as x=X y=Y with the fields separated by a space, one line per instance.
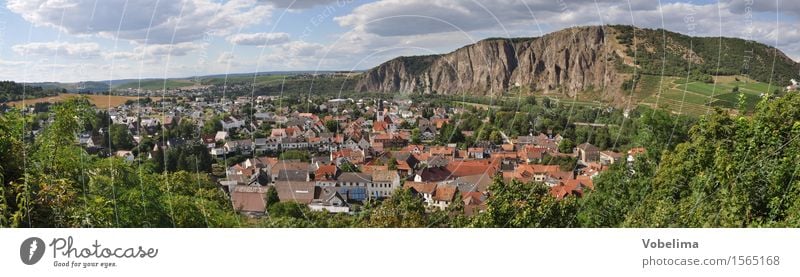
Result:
x=472 y=198
x=445 y=193
x=325 y=172
x=248 y=201
x=566 y=188
x=421 y=187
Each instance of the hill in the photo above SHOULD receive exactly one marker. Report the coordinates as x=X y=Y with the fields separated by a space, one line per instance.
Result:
x=607 y=62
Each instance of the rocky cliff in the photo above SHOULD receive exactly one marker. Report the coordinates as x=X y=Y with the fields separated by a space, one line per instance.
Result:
x=570 y=60
x=574 y=60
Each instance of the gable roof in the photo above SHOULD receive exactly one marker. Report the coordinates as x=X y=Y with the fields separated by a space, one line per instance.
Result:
x=300 y=192
x=421 y=187
x=445 y=193
x=248 y=199
x=326 y=172
x=384 y=175
x=355 y=177
x=588 y=147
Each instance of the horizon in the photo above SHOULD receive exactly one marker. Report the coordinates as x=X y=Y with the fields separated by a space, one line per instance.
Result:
x=56 y=42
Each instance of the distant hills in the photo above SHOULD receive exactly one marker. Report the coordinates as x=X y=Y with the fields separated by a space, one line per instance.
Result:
x=607 y=60
x=600 y=64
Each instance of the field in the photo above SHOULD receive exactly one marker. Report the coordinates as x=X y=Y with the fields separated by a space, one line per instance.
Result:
x=101 y=101
x=697 y=98
x=157 y=84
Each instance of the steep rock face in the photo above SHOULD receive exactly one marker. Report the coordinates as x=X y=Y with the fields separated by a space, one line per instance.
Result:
x=570 y=60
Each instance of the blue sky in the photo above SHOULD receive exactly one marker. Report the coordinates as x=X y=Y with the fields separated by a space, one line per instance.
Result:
x=75 y=40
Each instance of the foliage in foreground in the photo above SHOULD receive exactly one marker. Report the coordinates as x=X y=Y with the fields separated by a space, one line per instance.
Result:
x=724 y=171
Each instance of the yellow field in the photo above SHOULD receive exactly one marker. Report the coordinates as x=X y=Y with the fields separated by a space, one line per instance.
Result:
x=101 y=101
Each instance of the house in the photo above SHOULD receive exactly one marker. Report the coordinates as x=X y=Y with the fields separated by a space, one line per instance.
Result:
x=587 y=153
x=354 y=179
x=352 y=156
x=278 y=133
x=295 y=191
x=568 y=188
x=244 y=146
x=294 y=143
x=208 y=140
x=259 y=178
x=473 y=183
x=325 y=175
x=476 y=152
x=435 y=195
x=290 y=175
x=249 y=200
x=384 y=183
x=231 y=122
x=474 y=203
x=635 y=152
x=443 y=196
x=609 y=157
x=445 y=151
x=531 y=172
x=125 y=155
x=531 y=154
x=267 y=144
x=793 y=86
x=221 y=136
x=392 y=140
x=427 y=131
x=218 y=151
x=456 y=169
x=330 y=200
x=423 y=189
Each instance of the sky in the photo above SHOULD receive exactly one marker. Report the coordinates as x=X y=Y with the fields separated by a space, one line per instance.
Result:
x=81 y=40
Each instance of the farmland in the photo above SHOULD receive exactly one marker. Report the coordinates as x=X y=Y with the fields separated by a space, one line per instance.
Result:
x=697 y=98
x=157 y=84
x=101 y=101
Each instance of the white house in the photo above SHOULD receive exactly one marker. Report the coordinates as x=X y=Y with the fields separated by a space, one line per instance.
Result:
x=125 y=155
x=384 y=183
x=221 y=136
x=231 y=123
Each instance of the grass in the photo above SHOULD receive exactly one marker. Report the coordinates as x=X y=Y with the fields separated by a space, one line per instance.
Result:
x=731 y=100
x=157 y=84
x=101 y=101
x=697 y=98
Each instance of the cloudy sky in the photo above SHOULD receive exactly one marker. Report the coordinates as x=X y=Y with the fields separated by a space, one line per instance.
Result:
x=75 y=40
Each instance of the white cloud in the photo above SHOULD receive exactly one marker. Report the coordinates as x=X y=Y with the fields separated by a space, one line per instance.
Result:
x=12 y=63
x=59 y=49
x=225 y=58
x=412 y=17
x=303 y=4
x=259 y=39
x=151 y=21
x=155 y=52
x=159 y=50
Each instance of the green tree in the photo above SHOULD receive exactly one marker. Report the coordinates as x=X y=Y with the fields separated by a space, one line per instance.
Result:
x=402 y=210
x=271 y=196
x=416 y=138
x=539 y=209
x=566 y=146
x=346 y=166
x=212 y=125
x=121 y=139
x=295 y=155
x=332 y=125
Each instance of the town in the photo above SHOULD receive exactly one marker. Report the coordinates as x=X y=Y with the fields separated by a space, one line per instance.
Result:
x=332 y=155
